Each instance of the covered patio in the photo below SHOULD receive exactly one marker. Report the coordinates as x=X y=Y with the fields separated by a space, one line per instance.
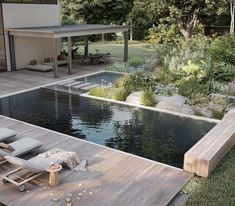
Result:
x=57 y=32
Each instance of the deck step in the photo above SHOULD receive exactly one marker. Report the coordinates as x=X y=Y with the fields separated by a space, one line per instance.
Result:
x=87 y=88
x=78 y=87
x=61 y=84
x=70 y=85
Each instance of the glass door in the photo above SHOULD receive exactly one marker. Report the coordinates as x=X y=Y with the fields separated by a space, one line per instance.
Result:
x=2 y=44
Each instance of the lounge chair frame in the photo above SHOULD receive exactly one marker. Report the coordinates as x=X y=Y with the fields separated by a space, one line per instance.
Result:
x=11 y=176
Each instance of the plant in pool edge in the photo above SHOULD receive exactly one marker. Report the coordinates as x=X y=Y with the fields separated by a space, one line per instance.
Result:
x=148 y=97
x=126 y=82
x=105 y=92
x=121 y=94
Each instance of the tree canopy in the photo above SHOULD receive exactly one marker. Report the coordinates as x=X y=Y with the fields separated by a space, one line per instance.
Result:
x=185 y=14
x=97 y=11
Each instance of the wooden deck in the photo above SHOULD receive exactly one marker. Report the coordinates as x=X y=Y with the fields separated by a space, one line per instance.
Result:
x=204 y=156
x=113 y=178
x=25 y=79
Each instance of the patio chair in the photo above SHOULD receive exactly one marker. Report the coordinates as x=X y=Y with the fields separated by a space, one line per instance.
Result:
x=21 y=147
x=37 y=166
x=6 y=134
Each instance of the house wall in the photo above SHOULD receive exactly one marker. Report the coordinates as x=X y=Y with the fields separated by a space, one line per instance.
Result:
x=29 y=15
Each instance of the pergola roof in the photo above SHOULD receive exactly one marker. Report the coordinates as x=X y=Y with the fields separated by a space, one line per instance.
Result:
x=67 y=31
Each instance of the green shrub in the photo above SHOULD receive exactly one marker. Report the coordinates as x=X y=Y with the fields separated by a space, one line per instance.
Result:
x=164 y=33
x=164 y=76
x=168 y=90
x=136 y=62
x=148 y=97
x=193 y=89
x=224 y=72
x=119 y=68
x=121 y=94
x=105 y=92
x=223 y=49
x=126 y=82
x=143 y=79
x=192 y=70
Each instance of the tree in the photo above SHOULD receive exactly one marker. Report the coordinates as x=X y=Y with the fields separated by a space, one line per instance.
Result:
x=186 y=14
x=96 y=11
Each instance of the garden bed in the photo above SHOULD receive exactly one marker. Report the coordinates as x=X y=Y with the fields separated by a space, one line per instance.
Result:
x=184 y=79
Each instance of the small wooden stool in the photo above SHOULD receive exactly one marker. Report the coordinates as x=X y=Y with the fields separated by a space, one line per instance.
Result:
x=54 y=175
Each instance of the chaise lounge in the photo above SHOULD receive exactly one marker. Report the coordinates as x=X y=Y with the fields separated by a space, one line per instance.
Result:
x=20 y=147
x=6 y=134
x=38 y=166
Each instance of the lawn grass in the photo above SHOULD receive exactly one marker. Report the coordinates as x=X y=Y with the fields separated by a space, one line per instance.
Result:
x=219 y=188
x=117 y=50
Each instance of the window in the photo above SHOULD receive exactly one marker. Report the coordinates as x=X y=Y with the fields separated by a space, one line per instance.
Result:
x=31 y=1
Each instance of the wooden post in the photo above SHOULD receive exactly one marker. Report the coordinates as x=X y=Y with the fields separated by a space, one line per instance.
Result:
x=86 y=49
x=12 y=52
x=70 y=55
x=103 y=37
x=55 y=58
x=126 y=37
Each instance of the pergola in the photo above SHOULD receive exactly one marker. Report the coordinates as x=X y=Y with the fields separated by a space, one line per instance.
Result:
x=56 y=32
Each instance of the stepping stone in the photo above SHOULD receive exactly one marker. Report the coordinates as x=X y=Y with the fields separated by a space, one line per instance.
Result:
x=61 y=84
x=68 y=86
x=78 y=87
x=87 y=88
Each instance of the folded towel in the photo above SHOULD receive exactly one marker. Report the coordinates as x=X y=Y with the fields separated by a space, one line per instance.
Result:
x=70 y=159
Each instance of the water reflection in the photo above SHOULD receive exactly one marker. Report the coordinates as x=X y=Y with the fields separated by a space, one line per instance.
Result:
x=154 y=135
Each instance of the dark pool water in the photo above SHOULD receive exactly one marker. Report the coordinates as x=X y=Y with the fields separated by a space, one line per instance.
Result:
x=153 y=135
x=104 y=78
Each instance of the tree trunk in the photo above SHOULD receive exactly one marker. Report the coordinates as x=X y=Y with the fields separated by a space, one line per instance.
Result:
x=187 y=28
x=232 y=11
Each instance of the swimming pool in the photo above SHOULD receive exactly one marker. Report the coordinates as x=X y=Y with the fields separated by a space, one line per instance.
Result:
x=102 y=78
x=153 y=135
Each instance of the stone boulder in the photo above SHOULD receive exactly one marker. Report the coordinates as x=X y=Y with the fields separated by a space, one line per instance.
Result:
x=134 y=98
x=174 y=103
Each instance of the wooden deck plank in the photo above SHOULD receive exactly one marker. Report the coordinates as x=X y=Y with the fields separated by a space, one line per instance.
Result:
x=24 y=79
x=113 y=177
x=204 y=156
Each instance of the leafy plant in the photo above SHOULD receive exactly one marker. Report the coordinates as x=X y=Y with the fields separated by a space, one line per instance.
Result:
x=148 y=97
x=224 y=72
x=105 y=92
x=164 y=33
x=136 y=62
x=126 y=82
x=161 y=89
x=223 y=49
x=121 y=94
x=193 y=89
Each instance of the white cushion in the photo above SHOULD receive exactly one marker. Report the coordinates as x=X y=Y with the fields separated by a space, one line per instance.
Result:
x=6 y=133
x=40 y=67
x=24 y=146
x=3 y=153
x=26 y=164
